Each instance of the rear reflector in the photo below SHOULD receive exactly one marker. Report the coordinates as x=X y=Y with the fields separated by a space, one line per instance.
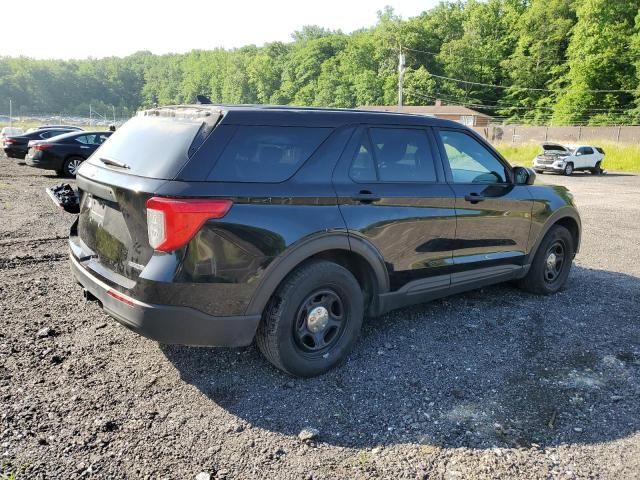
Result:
x=121 y=297
x=172 y=222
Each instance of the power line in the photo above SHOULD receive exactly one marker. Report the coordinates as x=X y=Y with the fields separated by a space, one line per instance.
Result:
x=490 y=59
x=448 y=98
x=525 y=88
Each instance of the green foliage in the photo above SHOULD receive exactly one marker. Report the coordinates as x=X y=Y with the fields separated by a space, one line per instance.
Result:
x=528 y=61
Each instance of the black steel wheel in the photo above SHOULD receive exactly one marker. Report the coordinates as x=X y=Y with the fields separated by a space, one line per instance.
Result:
x=551 y=264
x=313 y=320
x=554 y=261
x=320 y=321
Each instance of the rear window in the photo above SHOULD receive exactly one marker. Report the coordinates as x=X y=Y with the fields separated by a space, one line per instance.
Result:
x=152 y=146
x=266 y=153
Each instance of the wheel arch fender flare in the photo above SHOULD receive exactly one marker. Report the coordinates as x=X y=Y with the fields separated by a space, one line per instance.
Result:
x=308 y=247
x=566 y=216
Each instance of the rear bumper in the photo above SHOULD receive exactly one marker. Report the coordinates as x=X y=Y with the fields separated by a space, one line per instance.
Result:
x=44 y=163
x=167 y=323
x=15 y=152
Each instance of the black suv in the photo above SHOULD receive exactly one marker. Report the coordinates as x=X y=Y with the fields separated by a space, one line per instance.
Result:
x=215 y=225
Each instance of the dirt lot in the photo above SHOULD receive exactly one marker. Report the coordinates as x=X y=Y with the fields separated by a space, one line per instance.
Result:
x=491 y=384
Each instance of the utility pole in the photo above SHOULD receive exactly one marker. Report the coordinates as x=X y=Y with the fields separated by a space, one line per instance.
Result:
x=114 y=113
x=10 y=113
x=90 y=116
x=400 y=78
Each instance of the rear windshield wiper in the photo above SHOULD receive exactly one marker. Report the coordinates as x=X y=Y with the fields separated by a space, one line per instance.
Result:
x=114 y=163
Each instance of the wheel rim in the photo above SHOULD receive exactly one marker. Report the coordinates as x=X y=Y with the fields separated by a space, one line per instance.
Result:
x=72 y=166
x=569 y=169
x=554 y=261
x=320 y=322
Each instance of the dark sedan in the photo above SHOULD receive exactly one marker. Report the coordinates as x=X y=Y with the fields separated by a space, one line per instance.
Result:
x=16 y=146
x=65 y=153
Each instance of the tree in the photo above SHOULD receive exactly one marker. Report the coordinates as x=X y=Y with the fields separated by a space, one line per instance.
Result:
x=601 y=75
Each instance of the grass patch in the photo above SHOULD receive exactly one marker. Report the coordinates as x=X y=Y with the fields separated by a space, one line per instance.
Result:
x=618 y=157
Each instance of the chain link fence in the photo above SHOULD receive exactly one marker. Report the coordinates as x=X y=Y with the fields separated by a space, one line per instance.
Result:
x=517 y=134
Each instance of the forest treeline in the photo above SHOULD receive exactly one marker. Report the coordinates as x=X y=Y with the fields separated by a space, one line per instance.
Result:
x=531 y=61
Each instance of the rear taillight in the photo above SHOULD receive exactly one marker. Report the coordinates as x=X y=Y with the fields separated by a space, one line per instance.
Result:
x=41 y=146
x=9 y=141
x=172 y=222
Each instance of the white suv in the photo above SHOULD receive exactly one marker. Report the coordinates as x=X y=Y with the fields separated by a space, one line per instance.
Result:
x=569 y=158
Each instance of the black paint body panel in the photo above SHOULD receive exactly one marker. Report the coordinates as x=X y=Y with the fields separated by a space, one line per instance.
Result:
x=418 y=240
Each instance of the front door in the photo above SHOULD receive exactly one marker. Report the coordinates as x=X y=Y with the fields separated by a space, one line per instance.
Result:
x=393 y=194
x=493 y=214
x=584 y=158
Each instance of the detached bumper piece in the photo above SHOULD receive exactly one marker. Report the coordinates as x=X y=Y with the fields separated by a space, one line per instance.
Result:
x=65 y=197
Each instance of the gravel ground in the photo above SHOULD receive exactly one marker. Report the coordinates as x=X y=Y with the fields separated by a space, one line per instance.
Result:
x=491 y=384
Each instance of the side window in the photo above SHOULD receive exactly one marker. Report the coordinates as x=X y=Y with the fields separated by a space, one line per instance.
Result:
x=587 y=151
x=470 y=161
x=45 y=134
x=394 y=155
x=84 y=139
x=362 y=168
x=266 y=153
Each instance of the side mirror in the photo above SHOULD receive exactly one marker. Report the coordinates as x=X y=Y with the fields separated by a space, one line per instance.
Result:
x=523 y=176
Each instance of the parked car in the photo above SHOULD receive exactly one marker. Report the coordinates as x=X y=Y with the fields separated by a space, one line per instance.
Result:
x=10 y=131
x=66 y=152
x=17 y=146
x=209 y=225
x=44 y=127
x=567 y=159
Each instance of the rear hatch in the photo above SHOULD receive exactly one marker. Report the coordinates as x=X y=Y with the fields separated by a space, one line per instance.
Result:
x=118 y=179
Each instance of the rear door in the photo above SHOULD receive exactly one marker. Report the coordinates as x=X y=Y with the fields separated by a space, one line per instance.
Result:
x=493 y=214
x=393 y=194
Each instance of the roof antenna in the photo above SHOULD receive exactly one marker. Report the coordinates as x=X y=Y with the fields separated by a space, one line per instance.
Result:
x=203 y=100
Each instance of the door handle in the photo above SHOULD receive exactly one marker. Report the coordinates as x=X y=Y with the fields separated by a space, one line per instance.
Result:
x=474 y=198
x=365 y=196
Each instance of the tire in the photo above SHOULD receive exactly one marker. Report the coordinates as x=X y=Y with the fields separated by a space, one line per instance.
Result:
x=568 y=169
x=597 y=170
x=539 y=172
x=538 y=279
x=71 y=165
x=291 y=337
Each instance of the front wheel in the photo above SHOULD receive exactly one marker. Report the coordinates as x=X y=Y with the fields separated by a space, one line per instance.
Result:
x=551 y=264
x=568 y=169
x=71 y=166
x=313 y=320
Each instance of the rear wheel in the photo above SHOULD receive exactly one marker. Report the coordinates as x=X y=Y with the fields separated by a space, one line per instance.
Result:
x=597 y=170
x=551 y=264
x=568 y=169
x=313 y=319
x=71 y=165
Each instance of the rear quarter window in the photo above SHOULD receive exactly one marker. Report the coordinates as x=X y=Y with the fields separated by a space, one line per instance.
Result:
x=266 y=154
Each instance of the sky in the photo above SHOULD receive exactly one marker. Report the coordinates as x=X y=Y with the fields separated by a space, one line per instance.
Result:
x=81 y=28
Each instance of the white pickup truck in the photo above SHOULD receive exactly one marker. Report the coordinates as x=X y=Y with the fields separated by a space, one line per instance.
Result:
x=567 y=159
